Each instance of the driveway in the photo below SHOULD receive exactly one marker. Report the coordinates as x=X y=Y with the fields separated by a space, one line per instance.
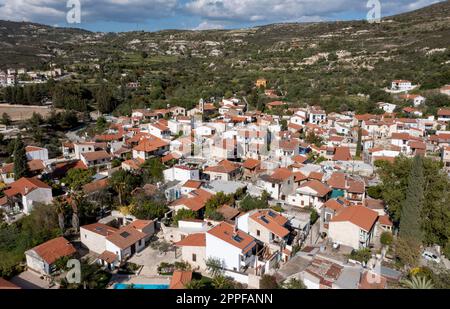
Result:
x=31 y=281
x=151 y=258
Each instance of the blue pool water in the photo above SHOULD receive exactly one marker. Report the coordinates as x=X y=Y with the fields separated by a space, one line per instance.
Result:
x=122 y=286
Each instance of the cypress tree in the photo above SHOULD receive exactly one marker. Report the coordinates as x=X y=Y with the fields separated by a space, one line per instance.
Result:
x=410 y=220
x=20 y=159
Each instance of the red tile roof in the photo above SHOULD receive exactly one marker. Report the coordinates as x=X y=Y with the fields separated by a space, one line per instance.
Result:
x=321 y=188
x=54 y=249
x=238 y=239
x=361 y=216
x=193 y=240
x=271 y=220
x=25 y=185
x=180 y=279
x=342 y=154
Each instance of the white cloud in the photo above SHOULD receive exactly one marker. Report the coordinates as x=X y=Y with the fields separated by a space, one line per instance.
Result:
x=292 y=10
x=207 y=25
x=55 y=11
x=211 y=12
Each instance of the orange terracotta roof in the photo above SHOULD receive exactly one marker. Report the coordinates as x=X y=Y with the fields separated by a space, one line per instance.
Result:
x=337 y=181
x=101 y=229
x=342 y=154
x=193 y=184
x=193 y=240
x=321 y=188
x=126 y=236
x=361 y=216
x=238 y=239
x=54 y=249
x=251 y=164
x=108 y=257
x=271 y=220
x=333 y=205
x=25 y=185
x=180 y=279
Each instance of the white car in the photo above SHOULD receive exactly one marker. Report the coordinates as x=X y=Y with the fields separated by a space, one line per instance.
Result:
x=427 y=255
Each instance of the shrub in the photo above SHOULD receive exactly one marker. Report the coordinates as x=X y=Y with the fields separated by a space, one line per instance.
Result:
x=386 y=238
x=268 y=282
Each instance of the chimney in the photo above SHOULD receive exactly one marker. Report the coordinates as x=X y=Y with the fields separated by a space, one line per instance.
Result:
x=26 y=190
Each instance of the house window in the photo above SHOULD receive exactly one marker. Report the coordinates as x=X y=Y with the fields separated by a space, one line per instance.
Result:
x=194 y=257
x=85 y=235
x=258 y=232
x=273 y=185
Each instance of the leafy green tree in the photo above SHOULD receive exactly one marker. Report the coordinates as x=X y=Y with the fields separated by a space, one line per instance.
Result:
x=435 y=212
x=294 y=284
x=250 y=203
x=105 y=99
x=359 y=144
x=153 y=170
x=362 y=255
x=149 y=210
x=407 y=251
x=76 y=178
x=123 y=182
x=184 y=214
x=6 y=119
x=101 y=125
x=20 y=159
x=222 y=282
x=195 y=285
x=386 y=238
x=214 y=266
x=410 y=223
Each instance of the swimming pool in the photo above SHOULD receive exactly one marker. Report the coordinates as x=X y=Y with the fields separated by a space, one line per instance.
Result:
x=123 y=286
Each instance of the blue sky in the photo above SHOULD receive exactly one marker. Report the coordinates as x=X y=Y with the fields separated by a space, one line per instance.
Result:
x=153 y=15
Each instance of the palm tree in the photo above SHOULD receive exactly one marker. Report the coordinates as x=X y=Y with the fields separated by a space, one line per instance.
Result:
x=60 y=207
x=194 y=285
x=76 y=200
x=221 y=282
x=418 y=282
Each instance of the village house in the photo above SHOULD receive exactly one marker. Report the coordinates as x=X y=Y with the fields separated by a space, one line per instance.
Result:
x=353 y=227
x=36 y=153
x=150 y=147
x=312 y=193
x=26 y=193
x=279 y=184
x=233 y=248
x=96 y=158
x=268 y=227
x=42 y=258
x=113 y=245
x=224 y=170
x=193 y=250
x=181 y=173
x=402 y=85
x=443 y=114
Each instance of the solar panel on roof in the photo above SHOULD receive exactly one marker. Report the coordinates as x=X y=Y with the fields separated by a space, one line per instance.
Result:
x=273 y=215
x=124 y=234
x=264 y=219
x=238 y=238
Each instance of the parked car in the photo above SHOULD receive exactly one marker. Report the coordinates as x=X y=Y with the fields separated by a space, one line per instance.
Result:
x=429 y=256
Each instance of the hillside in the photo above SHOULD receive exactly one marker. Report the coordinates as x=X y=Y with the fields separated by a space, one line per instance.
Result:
x=304 y=60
